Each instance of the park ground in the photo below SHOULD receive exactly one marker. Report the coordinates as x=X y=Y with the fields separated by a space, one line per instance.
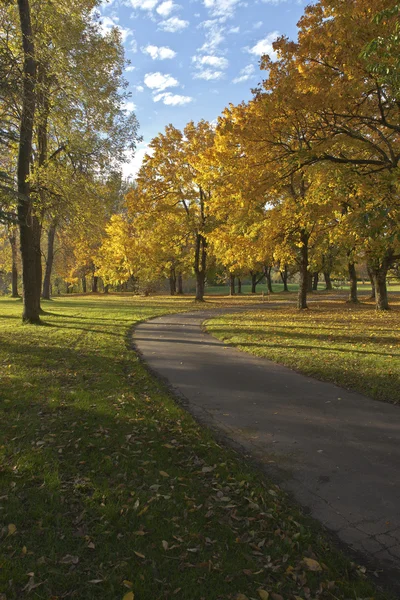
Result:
x=109 y=489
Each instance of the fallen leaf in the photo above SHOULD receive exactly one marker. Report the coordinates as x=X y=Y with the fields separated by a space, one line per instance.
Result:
x=129 y=596
x=264 y=595
x=165 y=545
x=68 y=559
x=12 y=529
x=139 y=554
x=164 y=474
x=312 y=565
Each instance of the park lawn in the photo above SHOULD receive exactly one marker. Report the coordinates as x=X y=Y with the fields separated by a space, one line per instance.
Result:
x=110 y=490
x=355 y=347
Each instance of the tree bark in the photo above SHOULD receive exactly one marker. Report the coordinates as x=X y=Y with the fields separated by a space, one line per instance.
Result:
x=353 y=298
x=239 y=285
x=31 y=308
x=371 y=278
x=14 y=269
x=379 y=270
x=315 y=281
x=328 y=281
x=200 y=262
x=84 y=287
x=232 y=289
x=172 y=281
x=107 y=288
x=49 y=261
x=179 y=284
x=95 y=284
x=303 y=284
x=267 y=274
x=284 y=277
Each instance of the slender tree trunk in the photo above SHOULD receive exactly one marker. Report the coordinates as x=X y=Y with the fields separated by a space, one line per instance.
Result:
x=253 y=282
x=49 y=261
x=232 y=289
x=84 y=286
x=379 y=270
x=284 y=277
x=353 y=298
x=303 y=283
x=200 y=262
x=172 y=281
x=371 y=278
x=239 y=285
x=328 y=281
x=179 y=284
x=107 y=288
x=14 y=269
x=267 y=274
x=31 y=308
x=95 y=284
x=315 y=281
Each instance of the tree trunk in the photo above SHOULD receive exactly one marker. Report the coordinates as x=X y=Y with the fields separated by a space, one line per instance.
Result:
x=379 y=271
x=315 y=281
x=200 y=262
x=172 y=281
x=353 y=283
x=239 y=285
x=179 y=285
x=371 y=278
x=14 y=269
x=107 y=288
x=232 y=289
x=253 y=282
x=267 y=274
x=328 y=281
x=303 y=284
x=31 y=308
x=284 y=277
x=84 y=287
x=49 y=261
x=95 y=284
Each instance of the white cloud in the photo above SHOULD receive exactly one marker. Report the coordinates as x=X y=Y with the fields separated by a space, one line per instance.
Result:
x=245 y=74
x=159 y=52
x=234 y=30
x=257 y=25
x=208 y=74
x=264 y=46
x=131 y=168
x=133 y=46
x=139 y=88
x=129 y=106
x=107 y=23
x=172 y=99
x=218 y=62
x=214 y=36
x=159 y=82
x=173 y=24
x=166 y=8
x=221 y=8
x=130 y=68
x=143 y=4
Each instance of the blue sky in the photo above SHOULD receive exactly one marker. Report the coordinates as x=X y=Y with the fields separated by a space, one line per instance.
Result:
x=191 y=58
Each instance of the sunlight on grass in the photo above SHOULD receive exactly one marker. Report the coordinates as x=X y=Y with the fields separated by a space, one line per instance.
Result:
x=107 y=485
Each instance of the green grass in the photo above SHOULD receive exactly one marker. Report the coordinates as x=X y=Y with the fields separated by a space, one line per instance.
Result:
x=353 y=346
x=363 y=288
x=108 y=486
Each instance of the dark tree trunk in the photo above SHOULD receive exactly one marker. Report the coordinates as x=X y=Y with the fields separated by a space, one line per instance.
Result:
x=172 y=281
x=315 y=281
x=14 y=269
x=284 y=277
x=353 y=298
x=379 y=270
x=179 y=284
x=371 y=278
x=95 y=284
x=232 y=289
x=328 y=281
x=253 y=282
x=106 y=288
x=303 y=284
x=31 y=308
x=267 y=274
x=239 y=285
x=49 y=261
x=200 y=262
x=84 y=287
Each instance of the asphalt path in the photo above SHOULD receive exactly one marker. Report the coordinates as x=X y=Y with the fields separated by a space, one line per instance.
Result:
x=336 y=451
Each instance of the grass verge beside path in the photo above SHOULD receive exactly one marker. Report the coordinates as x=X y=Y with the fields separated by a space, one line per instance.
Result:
x=108 y=489
x=355 y=347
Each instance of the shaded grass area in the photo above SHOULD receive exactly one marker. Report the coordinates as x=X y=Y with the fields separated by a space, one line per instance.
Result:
x=353 y=346
x=109 y=487
x=339 y=286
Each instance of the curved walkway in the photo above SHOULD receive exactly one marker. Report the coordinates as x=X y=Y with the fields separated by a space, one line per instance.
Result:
x=338 y=452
